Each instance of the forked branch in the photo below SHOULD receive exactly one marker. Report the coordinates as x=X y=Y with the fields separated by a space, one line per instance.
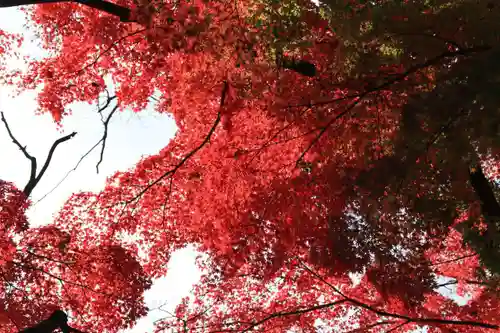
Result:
x=34 y=177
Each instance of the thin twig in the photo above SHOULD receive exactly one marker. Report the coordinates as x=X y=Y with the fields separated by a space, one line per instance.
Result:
x=105 y=136
x=109 y=99
x=369 y=327
x=275 y=135
x=69 y=172
x=108 y=49
x=49 y=258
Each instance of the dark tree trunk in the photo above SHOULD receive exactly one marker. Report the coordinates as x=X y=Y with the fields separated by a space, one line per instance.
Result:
x=489 y=204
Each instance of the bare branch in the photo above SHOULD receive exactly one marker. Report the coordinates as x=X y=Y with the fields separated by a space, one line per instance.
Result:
x=105 y=135
x=455 y=281
x=33 y=182
x=69 y=172
x=34 y=178
x=109 y=99
x=100 y=109
x=23 y=149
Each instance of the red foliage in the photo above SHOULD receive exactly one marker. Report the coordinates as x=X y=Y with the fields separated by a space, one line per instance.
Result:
x=42 y=269
x=290 y=183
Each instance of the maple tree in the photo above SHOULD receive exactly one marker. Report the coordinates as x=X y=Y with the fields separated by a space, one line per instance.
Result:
x=41 y=269
x=315 y=143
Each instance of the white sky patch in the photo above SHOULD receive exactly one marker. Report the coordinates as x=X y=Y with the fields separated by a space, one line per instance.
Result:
x=450 y=291
x=130 y=137
x=176 y=285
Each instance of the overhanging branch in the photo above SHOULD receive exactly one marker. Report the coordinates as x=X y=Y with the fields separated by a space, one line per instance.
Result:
x=296 y=312
x=406 y=319
x=122 y=12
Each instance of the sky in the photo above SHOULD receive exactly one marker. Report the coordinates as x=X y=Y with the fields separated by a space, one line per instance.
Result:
x=130 y=137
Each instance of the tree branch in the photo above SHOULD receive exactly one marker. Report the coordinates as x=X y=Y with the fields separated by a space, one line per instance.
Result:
x=34 y=178
x=435 y=321
x=56 y=277
x=100 y=110
x=370 y=326
x=395 y=79
x=172 y=171
x=453 y=260
x=23 y=149
x=33 y=182
x=293 y=313
x=105 y=135
x=455 y=281
x=108 y=49
x=123 y=13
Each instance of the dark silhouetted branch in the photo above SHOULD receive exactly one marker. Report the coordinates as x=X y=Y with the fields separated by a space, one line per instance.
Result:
x=455 y=281
x=367 y=328
x=453 y=260
x=34 y=178
x=293 y=313
x=123 y=13
x=407 y=319
x=105 y=136
x=109 y=99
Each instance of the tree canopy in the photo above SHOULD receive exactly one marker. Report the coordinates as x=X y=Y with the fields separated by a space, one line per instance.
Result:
x=333 y=160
